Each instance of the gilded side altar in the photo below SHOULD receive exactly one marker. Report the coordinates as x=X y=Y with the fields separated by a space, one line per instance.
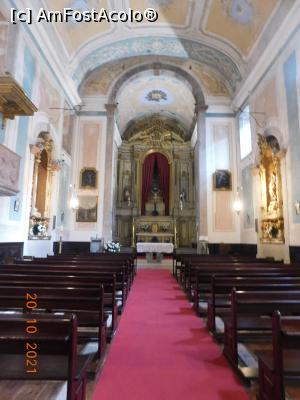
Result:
x=272 y=221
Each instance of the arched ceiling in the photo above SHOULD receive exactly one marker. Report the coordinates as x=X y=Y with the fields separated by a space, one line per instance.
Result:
x=224 y=36
x=146 y=94
x=239 y=22
x=100 y=81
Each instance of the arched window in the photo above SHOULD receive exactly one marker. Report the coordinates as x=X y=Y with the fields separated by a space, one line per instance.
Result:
x=245 y=132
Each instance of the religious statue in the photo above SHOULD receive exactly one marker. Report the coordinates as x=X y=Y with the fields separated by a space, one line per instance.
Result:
x=272 y=222
x=155 y=191
x=273 y=187
x=273 y=193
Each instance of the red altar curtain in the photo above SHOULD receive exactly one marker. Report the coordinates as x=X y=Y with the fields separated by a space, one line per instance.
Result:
x=164 y=179
x=148 y=169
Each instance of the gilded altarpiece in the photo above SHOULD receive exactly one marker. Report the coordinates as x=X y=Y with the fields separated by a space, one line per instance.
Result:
x=44 y=168
x=272 y=221
x=144 y=138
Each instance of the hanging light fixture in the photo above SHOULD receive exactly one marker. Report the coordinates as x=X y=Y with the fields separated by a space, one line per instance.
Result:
x=74 y=202
x=237 y=204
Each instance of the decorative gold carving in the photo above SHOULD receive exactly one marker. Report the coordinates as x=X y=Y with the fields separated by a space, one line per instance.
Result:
x=146 y=136
x=272 y=230
x=41 y=186
x=155 y=132
x=161 y=227
x=272 y=223
x=13 y=99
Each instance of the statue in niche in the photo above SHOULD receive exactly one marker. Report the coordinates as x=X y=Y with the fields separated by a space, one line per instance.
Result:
x=155 y=205
x=273 y=190
x=273 y=187
x=184 y=186
x=155 y=191
x=127 y=187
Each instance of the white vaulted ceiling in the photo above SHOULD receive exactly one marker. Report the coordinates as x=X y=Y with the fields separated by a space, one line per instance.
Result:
x=222 y=37
x=148 y=94
x=216 y=42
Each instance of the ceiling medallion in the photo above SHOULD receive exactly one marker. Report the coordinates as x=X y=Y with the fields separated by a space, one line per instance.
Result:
x=156 y=96
x=241 y=11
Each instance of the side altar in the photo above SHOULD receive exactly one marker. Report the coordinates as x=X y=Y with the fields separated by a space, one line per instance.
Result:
x=159 y=229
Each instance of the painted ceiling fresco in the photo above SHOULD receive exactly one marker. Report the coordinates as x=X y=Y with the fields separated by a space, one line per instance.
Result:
x=148 y=95
x=71 y=33
x=221 y=37
x=240 y=22
x=237 y=22
x=100 y=81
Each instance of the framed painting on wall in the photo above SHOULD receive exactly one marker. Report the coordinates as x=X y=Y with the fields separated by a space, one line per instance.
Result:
x=222 y=179
x=87 y=211
x=88 y=178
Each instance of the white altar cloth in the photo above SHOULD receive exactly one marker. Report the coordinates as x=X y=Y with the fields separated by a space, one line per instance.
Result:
x=150 y=247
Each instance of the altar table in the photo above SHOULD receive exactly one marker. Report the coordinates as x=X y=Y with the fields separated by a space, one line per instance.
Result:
x=150 y=247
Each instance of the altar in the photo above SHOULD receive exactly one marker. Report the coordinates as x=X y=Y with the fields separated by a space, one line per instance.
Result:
x=154 y=229
x=159 y=248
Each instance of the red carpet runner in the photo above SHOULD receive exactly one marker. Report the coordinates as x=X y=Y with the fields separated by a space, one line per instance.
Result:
x=162 y=350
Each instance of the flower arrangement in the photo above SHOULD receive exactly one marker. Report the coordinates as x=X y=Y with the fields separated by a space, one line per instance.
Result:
x=145 y=227
x=112 y=247
x=38 y=228
x=164 y=228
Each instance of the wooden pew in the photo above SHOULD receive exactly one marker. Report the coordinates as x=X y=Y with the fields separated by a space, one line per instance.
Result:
x=218 y=303
x=107 y=281
x=184 y=261
x=105 y=267
x=282 y=362
x=86 y=304
x=250 y=320
x=77 y=270
x=202 y=275
x=100 y=263
x=51 y=352
x=192 y=270
x=126 y=257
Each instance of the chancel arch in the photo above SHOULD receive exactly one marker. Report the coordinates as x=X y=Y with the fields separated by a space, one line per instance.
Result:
x=156 y=115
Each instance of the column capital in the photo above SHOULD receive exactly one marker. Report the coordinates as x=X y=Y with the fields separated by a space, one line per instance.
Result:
x=200 y=108
x=111 y=107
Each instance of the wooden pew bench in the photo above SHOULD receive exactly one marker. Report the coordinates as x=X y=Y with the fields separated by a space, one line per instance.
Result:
x=198 y=260
x=50 y=353
x=194 y=269
x=182 y=262
x=129 y=258
x=86 y=304
x=249 y=321
x=218 y=303
x=107 y=281
x=63 y=270
x=202 y=285
x=283 y=362
x=88 y=264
